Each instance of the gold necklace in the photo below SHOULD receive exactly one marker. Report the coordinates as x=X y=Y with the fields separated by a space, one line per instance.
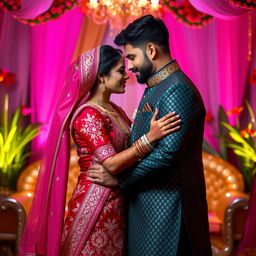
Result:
x=111 y=111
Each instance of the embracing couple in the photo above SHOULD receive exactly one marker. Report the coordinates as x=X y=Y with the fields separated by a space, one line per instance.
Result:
x=141 y=191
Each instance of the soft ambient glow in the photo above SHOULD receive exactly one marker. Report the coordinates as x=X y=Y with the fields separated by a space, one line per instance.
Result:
x=93 y=3
x=227 y=194
x=29 y=194
x=119 y=12
x=155 y=4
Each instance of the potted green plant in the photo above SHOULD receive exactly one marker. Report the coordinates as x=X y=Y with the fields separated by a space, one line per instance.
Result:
x=243 y=144
x=242 y=141
x=14 y=139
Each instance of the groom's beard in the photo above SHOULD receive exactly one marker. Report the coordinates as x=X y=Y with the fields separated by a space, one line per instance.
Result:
x=145 y=71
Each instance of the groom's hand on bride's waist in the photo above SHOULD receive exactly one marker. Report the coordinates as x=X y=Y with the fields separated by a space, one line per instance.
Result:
x=99 y=175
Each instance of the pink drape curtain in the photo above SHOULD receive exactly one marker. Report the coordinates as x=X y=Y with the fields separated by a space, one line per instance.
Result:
x=52 y=48
x=221 y=9
x=215 y=58
x=15 y=56
x=32 y=8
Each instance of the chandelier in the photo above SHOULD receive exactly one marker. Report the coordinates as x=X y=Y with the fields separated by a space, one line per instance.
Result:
x=119 y=13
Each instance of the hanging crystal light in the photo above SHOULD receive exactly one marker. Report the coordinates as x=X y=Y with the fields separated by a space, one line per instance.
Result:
x=119 y=12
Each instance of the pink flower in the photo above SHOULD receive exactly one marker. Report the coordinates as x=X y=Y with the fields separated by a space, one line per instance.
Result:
x=59 y=10
x=236 y=111
x=7 y=77
x=53 y=10
x=253 y=77
x=40 y=18
x=68 y=4
x=26 y=111
x=208 y=116
x=47 y=15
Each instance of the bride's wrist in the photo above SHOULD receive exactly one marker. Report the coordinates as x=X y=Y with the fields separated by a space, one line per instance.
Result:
x=149 y=137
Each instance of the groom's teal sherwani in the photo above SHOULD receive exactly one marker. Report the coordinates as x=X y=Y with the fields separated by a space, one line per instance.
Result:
x=167 y=188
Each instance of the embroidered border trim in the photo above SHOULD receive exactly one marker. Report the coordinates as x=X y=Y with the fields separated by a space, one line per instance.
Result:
x=163 y=73
x=85 y=219
x=103 y=152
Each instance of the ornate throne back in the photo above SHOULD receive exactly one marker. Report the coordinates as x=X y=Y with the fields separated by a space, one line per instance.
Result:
x=224 y=188
x=221 y=180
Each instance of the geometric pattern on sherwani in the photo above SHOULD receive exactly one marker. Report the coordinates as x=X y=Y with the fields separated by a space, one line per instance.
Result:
x=170 y=180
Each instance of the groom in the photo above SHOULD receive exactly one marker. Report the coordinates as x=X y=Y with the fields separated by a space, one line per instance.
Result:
x=165 y=192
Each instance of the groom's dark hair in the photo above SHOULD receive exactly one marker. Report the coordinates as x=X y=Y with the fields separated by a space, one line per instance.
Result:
x=146 y=29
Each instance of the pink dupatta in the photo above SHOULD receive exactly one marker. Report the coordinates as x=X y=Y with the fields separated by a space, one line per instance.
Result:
x=43 y=230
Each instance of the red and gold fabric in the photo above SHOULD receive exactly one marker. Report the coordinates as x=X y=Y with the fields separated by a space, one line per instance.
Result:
x=95 y=222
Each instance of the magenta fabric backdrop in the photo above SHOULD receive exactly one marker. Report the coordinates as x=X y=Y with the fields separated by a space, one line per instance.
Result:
x=214 y=57
x=251 y=88
x=52 y=47
x=15 y=56
x=218 y=8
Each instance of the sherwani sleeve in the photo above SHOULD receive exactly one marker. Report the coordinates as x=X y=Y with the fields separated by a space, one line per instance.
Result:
x=90 y=126
x=183 y=101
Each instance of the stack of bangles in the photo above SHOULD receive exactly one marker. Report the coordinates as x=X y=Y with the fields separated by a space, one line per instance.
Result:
x=142 y=147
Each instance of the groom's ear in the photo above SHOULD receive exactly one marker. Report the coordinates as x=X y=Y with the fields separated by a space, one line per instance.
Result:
x=151 y=51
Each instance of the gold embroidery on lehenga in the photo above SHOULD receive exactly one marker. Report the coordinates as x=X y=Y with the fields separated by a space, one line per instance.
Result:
x=72 y=242
x=114 y=115
x=92 y=127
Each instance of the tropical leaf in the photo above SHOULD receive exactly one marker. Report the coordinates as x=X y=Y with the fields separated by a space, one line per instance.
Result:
x=222 y=118
x=234 y=133
x=251 y=113
x=5 y=116
x=240 y=153
x=223 y=147
x=24 y=142
x=24 y=156
x=15 y=118
x=11 y=135
x=209 y=149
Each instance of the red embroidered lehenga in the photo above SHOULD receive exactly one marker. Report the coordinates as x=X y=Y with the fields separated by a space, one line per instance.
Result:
x=95 y=222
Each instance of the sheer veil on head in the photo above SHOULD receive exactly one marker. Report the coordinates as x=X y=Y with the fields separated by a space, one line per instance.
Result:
x=42 y=233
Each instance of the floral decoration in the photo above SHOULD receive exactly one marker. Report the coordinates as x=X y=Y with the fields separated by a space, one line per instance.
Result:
x=240 y=140
x=14 y=138
x=10 y=5
x=235 y=111
x=58 y=8
x=7 y=77
x=186 y=13
x=247 y=4
x=208 y=116
x=253 y=77
x=243 y=143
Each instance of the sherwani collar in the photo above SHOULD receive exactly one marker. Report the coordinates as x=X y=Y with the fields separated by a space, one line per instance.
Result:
x=163 y=73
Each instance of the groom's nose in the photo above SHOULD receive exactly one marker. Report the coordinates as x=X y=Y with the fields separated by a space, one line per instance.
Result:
x=130 y=66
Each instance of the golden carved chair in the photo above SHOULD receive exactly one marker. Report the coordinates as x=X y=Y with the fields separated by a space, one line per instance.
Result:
x=12 y=220
x=224 y=188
